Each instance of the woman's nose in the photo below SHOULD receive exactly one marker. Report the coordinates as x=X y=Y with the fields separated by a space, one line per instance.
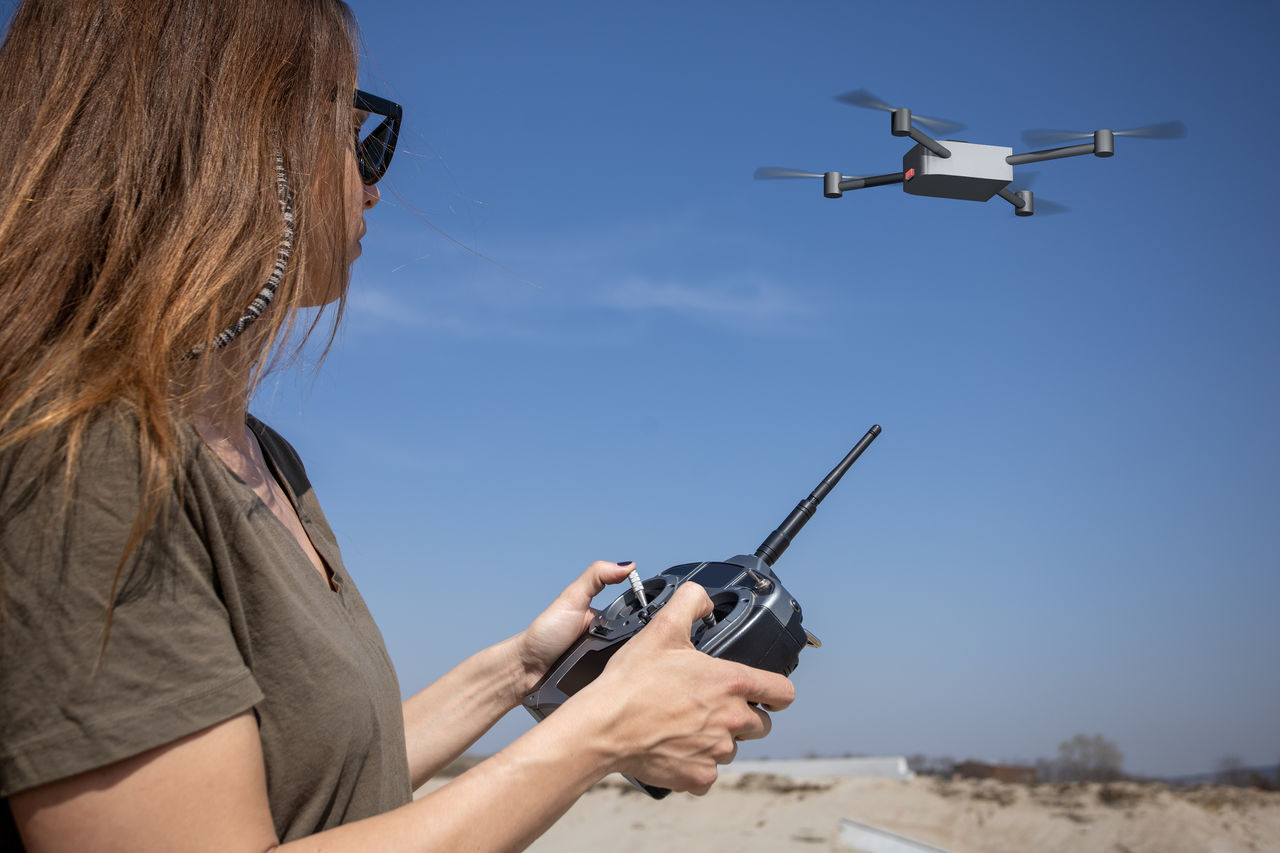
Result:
x=371 y=195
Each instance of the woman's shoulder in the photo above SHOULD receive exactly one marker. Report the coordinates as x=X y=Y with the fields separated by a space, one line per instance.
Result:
x=104 y=452
x=76 y=496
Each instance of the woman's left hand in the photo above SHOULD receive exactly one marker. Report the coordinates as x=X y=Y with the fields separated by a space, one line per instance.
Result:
x=550 y=635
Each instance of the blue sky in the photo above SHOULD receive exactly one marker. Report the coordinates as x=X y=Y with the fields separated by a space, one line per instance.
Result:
x=580 y=330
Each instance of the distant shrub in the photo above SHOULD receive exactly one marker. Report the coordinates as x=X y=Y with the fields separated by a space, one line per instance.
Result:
x=1119 y=796
x=1083 y=758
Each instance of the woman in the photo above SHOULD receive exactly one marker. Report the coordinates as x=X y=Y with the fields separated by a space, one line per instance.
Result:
x=184 y=661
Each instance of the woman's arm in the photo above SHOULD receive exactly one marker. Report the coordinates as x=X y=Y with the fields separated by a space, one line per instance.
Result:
x=446 y=717
x=449 y=715
x=208 y=790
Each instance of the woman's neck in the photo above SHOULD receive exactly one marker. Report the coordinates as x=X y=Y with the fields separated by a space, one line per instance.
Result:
x=219 y=406
x=223 y=428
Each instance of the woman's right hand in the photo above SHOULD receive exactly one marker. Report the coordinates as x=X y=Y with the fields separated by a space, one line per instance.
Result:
x=668 y=714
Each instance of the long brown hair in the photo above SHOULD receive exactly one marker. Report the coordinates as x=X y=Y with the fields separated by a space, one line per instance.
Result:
x=139 y=209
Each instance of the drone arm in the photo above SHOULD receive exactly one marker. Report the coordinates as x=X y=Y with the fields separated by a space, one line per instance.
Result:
x=834 y=187
x=1049 y=154
x=900 y=125
x=873 y=181
x=935 y=147
x=1103 y=145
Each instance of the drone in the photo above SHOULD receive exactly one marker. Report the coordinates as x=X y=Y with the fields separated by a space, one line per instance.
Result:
x=949 y=168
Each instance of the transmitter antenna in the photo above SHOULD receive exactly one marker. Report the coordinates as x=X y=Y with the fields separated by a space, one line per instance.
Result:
x=778 y=540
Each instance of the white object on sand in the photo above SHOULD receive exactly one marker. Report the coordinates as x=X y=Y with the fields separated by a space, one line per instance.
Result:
x=884 y=767
x=872 y=839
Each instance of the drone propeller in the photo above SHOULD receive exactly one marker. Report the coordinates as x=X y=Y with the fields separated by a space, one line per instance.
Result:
x=766 y=173
x=863 y=98
x=1043 y=207
x=1164 y=130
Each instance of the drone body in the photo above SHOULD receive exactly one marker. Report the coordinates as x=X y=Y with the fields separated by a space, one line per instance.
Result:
x=950 y=168
x=972 y=172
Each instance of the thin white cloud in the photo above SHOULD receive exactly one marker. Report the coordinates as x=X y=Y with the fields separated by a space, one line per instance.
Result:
x=465 y=312
x=732 y=300
x=579 y=277
x=366 y=302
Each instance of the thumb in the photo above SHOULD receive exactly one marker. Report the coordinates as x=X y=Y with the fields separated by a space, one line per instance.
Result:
x=687 y=604
x=598 y=575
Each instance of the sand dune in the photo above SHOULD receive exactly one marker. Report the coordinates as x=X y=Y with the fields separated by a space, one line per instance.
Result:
x=771 y=813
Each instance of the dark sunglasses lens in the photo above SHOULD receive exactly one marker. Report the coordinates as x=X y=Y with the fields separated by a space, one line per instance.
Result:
x=367 y=160
x=374 y=153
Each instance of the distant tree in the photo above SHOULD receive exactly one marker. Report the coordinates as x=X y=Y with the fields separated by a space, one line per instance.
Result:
x=1047 y=770
x=1231 y=771
x=1087 y=759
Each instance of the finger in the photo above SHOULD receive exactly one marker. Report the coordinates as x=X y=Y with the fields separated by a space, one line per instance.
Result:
x=769 y=690
x=755 y=726
x=687 y=604
x=702 y=780
x=726 y=753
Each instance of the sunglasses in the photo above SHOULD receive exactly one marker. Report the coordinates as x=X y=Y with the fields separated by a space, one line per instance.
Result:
x=374 y=149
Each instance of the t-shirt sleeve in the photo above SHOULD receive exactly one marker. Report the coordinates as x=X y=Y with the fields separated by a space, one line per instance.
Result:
x=171 y=665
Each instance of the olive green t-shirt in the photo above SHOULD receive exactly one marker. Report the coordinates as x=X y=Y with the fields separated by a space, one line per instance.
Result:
x=218 y=611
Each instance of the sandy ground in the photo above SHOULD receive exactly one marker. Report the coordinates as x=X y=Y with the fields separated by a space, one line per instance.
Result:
x=773 y=813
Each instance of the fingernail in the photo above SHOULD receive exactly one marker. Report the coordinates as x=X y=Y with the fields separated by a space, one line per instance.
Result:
x=625 y=563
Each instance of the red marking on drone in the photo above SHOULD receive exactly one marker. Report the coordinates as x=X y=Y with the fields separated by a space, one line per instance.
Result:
x=911 y=173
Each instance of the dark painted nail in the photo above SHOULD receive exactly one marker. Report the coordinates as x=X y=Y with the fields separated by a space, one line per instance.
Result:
x=625 y=563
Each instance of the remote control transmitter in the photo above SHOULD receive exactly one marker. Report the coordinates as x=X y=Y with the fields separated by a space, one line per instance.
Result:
x=754 y=619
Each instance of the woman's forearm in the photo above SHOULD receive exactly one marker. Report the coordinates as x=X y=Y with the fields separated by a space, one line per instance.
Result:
x=450 y=714
x=208 y=792
x=502 y=804
x=445 y=718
